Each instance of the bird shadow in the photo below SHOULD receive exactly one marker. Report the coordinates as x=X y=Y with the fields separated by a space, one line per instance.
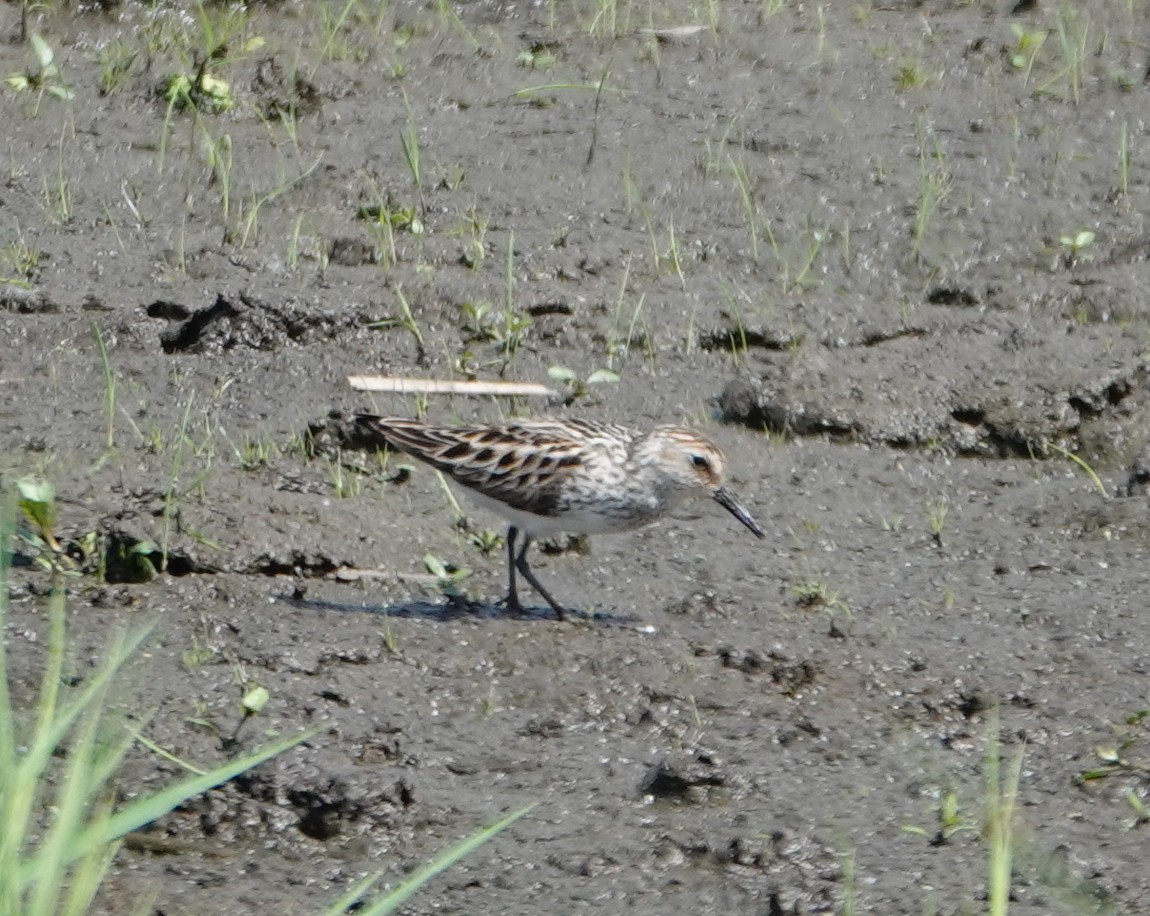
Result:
x=454 y=609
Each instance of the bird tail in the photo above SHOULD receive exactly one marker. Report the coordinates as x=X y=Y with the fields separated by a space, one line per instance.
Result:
x=412 y=437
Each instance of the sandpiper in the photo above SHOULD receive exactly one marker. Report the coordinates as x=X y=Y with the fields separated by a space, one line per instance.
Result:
x=579 y=476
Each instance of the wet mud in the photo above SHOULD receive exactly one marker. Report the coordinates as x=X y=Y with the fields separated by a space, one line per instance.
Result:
x=893 y=259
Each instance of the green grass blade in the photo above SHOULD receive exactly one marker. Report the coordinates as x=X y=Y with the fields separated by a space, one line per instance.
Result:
x=56 y=869
x=49 y=736
x=109 y=385
x=24 y=780
x=9 y=842
x=1082 y=463
x=50 y=682
x=392 y=901
x=71 y=807
x=1002 y=796
x=87 y=769
x=160 y=752
x=149 y=809
x=357 y=890
x=86 y=879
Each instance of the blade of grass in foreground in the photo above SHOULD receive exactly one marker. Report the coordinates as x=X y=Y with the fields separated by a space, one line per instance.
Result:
x=27 y=770
x=149 y=809
x=392 y=901
x=9 y=897
x=57 y=770
x=1002 y=795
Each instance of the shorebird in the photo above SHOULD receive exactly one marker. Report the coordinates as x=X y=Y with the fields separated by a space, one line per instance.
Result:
x=578 y=476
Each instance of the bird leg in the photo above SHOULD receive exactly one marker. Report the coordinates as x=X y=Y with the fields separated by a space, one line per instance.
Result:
x=518 y=561
x=512 y=603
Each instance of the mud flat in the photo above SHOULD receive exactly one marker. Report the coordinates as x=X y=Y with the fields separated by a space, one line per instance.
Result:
x=893 y=260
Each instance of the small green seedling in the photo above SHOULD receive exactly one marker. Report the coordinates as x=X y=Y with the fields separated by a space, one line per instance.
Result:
x=538 y=57
x=909 y=75
x=45 y=78
x=23 y=261
x=447 y=576
x=891 y=522
x=478 y=323
x=38 y=503
x=815 y=593
x=198 y=654
x=474 y=229
x=345 y=485
x=1141 y=812
x=1082 y=463
x=199 y=89
x=404 y=319
x=576 y=387
x=936 y=519
x=115 y=61
x=405 y=219
x=133 y=561
x=255 y=452
x=506 y=327
x=950 y=822
x=409 y=140
x=486 y=540
x=1113 y=760
x=1025 y=49
x=1075 y=247
x=254 y=700
x=513 y=328
x=200 y=92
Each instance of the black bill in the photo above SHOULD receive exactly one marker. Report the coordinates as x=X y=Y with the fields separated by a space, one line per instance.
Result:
x=727 y=500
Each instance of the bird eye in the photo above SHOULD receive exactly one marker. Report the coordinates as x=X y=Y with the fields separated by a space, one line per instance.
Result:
x=700 y=462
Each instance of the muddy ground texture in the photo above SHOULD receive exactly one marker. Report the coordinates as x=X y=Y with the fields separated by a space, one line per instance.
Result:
x=893 y=259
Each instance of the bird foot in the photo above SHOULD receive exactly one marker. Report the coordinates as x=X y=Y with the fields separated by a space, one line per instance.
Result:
x=513 y=608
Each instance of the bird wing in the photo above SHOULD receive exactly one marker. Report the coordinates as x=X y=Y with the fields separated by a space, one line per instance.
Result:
x=521 y=464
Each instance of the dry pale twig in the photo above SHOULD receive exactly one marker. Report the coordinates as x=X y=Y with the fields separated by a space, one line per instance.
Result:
x=397 y=385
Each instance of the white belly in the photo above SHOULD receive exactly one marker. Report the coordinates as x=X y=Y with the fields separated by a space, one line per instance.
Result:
x=575 y=521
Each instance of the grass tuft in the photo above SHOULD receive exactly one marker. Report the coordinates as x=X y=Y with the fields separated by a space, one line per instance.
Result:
x=58 y=761
x=1001 y=796
x=109 y=386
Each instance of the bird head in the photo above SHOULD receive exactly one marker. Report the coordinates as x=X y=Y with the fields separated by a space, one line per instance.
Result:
x=689 y=464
